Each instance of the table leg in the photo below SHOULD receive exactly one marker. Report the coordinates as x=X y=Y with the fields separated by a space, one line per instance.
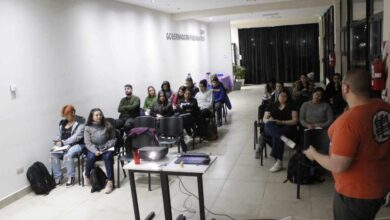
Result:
x=166 y=196
x=134 y=195
x=201 y=198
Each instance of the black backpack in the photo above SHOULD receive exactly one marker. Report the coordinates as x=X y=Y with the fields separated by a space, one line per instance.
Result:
x=305 y=170
x=98 y=179
x=40 y=180
x=212 y=131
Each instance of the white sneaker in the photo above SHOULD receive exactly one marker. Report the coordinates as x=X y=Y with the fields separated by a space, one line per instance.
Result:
x=276 y=167
x=291 y=144
x=109 y=187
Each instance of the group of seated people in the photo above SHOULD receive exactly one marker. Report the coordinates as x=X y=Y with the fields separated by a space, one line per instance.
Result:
x=97 y=136
x=281 y=112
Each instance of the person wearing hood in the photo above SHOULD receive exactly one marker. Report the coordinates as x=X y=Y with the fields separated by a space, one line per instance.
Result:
x=70 y=133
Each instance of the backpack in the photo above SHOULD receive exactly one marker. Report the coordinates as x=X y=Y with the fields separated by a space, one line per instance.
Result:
x=40 y=180
x=211 y=131
x=305 y=170
x=98 y=179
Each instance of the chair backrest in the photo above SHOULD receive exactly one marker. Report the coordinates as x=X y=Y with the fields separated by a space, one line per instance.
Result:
x=145 y=121
x=111 y=121
x=119 y=140
x=171 y=126
x=318 y=138
x=143 y=140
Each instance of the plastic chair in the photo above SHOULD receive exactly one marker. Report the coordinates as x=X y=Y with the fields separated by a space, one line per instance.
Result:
x=170 y=131
x=145 y=121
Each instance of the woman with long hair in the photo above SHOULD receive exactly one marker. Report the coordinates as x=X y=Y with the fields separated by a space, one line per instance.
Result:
x=100 y=138
x=280 y=119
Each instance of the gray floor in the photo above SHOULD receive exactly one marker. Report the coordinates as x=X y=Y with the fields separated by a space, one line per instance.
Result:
x=236 y=185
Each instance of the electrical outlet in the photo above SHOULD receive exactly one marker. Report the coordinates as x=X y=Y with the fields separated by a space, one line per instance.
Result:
x=19 y=170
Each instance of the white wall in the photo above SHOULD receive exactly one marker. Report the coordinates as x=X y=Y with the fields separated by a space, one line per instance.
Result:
x=220 y=48
x=80 y=52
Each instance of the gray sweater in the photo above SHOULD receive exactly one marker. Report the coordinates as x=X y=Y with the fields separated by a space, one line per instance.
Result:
x=320 y=114
x=99 y=138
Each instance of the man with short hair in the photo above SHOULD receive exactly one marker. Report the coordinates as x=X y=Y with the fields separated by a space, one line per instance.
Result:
x=129 y=108
x=359 y=156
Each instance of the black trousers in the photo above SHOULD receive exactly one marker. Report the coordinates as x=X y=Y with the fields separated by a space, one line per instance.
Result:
x=345 y=208
x=125 y=124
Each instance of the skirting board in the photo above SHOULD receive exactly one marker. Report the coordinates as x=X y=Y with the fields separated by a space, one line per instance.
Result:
x=14 y=197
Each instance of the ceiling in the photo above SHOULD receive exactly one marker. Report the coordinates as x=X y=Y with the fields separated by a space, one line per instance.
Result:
x=237 y=10
x=179 y=6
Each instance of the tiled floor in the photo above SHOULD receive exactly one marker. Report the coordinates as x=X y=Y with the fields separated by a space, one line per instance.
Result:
x=236 y=185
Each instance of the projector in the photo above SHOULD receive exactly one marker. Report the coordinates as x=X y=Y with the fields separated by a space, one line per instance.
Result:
x=153 y=153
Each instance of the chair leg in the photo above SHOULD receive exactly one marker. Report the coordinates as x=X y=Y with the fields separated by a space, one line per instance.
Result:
x=254 y=135
x=124 y=172
x=149 y=180
x=118 y=172
x=82 y=171
x=265 y=150
x=79 y=170
x=261 y=154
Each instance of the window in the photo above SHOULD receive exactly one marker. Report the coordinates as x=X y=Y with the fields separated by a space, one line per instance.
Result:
x=358 y=45
x=358 y=10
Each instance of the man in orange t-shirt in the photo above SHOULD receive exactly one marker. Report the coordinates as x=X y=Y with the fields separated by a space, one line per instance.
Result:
x=359 y=151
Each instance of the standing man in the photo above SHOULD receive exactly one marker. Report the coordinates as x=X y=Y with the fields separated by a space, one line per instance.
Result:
x=129 y=108
x=359 y=156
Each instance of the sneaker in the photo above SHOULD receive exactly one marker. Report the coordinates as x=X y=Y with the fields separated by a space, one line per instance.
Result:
x=276 y=167
x=87 y=181
x=58 y=180
x=109 y=187
x=70 y=181
x=291 y=144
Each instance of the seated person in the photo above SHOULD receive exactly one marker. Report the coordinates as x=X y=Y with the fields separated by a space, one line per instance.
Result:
x=99 y=137
x=205 y=102
x=71 y=132
x=189 y=111
x=220 y=96
x=191 y=86
x=280 y=119
x=178 y=97
x=316 y=113
x=267 y=99
x=150 y=99
x=302 y=90
x=166 y=87
x=334 y=94
x=129 y=108
x=161 y=108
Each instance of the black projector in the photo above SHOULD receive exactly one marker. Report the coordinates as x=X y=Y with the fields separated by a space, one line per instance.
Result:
x=153 y=153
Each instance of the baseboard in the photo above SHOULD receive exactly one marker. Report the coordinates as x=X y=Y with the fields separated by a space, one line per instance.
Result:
x=14 y=197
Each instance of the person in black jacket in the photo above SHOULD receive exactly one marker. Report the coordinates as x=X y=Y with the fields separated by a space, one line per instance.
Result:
x=161 y=108
x=189 y=110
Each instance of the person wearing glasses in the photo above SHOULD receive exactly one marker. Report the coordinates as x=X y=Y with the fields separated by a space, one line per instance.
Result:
x=359 y=155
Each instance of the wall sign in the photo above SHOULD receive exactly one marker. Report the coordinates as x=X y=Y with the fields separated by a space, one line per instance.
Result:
x=190 y=37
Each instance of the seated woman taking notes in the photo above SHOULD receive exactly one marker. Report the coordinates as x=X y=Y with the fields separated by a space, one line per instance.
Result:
x=280 y=119
x=100 y=138
x=70 y=134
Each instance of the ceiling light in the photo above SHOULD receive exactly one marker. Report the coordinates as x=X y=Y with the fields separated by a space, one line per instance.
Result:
x=153 y=1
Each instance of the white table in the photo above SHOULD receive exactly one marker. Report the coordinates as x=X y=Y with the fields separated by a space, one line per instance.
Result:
x=165 y=168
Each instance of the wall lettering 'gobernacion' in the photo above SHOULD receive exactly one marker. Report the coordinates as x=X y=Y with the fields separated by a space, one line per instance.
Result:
x=176 y=36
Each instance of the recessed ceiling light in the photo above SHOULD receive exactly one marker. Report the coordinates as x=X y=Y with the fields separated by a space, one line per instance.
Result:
x=153 y=1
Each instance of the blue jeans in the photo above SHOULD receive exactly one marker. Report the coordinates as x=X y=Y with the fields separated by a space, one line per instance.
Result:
x=275 y=131
x=108 y=158
x=68 y=158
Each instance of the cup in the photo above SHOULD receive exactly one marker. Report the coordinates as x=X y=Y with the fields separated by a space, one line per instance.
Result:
x=136 y=157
